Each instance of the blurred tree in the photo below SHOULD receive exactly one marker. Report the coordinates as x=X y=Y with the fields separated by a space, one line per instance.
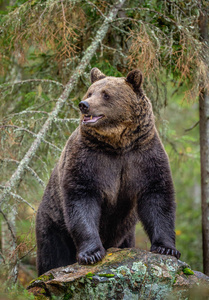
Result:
x=204 y=136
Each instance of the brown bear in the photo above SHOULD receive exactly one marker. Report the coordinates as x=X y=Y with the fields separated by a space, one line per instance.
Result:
x=112 y=172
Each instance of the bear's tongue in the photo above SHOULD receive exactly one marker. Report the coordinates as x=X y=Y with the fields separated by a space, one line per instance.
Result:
x=91 y=119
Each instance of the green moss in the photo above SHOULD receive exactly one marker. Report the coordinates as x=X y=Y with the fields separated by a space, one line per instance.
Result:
x=46 y=277
x=106 y=275
x=90 y=274
x=42 y=278
x=188 y=271
x=32 y=281
x=90 y=278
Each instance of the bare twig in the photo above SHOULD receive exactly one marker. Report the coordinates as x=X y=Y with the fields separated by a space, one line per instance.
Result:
x=114 y=50
x=2 y=256
x=73 y=120
x=156 y=12
x=9 y=226
x=192 y=127
x=96 y=7
x=28 y=168
x=33 y=134
x=18 y=197
x=44 y=104
x=28 y=252
x=8 y=84
x=29 y=112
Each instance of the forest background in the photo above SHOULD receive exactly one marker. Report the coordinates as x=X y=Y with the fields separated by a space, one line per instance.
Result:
x=47 y=50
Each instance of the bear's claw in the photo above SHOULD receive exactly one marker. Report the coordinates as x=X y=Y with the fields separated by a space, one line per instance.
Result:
x=86 y=258
x=166 y=251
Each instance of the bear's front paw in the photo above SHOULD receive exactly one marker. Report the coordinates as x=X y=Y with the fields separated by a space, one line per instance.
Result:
x=165 y=251
x=91 y=256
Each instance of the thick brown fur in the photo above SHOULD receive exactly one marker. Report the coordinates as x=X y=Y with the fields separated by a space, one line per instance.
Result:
x=112 y=173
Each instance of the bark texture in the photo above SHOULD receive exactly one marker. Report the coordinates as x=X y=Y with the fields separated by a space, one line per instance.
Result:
x=204 y=141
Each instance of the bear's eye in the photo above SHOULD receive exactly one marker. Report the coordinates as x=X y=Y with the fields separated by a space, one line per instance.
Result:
x=105 y=96
x=89 y=95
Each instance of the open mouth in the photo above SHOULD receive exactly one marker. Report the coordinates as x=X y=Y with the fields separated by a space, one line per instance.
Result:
x=91 y=119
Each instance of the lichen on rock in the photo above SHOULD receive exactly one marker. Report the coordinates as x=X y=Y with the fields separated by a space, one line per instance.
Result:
x=123 y=274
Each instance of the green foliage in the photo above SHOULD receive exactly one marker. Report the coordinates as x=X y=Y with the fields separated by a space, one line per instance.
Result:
x=183 y=149
x=16 y=292
x=107 y=68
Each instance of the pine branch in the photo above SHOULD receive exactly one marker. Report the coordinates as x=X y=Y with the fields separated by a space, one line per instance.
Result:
x=89 y=53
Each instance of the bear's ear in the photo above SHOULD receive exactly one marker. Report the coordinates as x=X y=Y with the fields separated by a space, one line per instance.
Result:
x=135 y=79
x=96 y=74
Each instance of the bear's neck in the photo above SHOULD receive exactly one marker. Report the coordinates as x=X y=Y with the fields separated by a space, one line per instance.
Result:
x=124 y=138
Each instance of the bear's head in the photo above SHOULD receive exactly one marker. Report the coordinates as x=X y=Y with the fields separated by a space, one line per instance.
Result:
x=114 y=108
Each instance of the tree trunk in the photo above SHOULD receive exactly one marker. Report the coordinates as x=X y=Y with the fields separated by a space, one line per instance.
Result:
x=13 y=182
x=204 y=141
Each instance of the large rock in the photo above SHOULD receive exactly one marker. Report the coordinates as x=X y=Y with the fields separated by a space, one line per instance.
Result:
x=124 y=274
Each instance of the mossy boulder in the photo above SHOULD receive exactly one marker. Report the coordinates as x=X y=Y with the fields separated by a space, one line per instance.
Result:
x=123 y=274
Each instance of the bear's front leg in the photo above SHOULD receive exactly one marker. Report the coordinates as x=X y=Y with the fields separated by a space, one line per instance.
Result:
x=82 y=218
x=157 y=214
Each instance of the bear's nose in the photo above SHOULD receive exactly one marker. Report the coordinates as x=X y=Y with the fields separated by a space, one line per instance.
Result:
x=84 y=107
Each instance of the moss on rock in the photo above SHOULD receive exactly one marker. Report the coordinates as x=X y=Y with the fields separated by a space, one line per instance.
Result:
x=122 y=274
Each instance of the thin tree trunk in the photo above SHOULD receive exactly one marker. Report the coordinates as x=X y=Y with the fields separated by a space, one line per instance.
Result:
x=204 y=141
x=24 y=163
